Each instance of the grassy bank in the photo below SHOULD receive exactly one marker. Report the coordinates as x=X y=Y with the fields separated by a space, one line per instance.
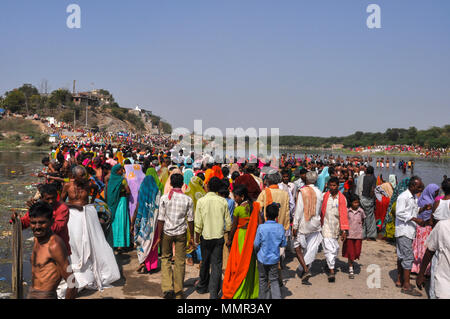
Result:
x=17 y=133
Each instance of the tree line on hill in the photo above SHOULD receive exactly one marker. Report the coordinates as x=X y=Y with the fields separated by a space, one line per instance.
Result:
x=28 y=100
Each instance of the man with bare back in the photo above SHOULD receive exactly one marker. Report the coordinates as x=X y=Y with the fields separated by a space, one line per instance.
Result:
x=79 y=189
x=92 y=258
x=49 y=260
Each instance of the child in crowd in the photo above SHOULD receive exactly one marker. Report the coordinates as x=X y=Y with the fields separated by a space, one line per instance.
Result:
x=270 y=236
x=352 y=245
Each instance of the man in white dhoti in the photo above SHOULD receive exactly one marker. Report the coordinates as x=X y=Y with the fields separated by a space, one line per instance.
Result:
x=334 y=216
x=92 y=260
x=307 y=225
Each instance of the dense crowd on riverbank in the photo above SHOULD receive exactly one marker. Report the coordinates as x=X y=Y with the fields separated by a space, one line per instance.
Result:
x=236 y=219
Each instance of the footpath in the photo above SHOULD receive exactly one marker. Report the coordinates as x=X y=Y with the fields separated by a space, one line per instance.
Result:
x=375 y=276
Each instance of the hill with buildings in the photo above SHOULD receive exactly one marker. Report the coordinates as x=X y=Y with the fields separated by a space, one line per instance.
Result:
x=94 y=109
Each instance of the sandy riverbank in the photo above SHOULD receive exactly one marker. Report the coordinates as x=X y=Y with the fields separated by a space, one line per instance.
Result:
x=136 y=286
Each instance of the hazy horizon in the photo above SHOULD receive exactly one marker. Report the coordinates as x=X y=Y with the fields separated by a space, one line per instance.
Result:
x=307 y=68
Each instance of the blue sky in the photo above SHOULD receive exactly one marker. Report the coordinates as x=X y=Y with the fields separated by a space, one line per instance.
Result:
x=306 y=67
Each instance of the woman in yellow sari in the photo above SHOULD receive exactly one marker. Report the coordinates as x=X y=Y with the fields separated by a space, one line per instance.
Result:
x=195 y=191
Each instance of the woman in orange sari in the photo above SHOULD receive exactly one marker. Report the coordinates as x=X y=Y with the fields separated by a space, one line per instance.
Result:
x=241 y=279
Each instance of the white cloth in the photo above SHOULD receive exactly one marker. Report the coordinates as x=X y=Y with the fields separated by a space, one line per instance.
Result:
x=299 y=183
x=92 y=260
x=439 y=241
x=331 y=250
x=442 y=212
x=359 y=184
x=432 y=272
x=331 y=224
x=290 y=188
x=310 y=246
x=300 y=223
x=406 y=210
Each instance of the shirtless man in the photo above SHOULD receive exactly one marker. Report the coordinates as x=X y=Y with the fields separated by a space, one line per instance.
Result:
x=49 y=260
x=79 y=189
x=49 y=165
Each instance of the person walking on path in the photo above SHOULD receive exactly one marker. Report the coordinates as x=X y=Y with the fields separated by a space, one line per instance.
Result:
x=212 y=220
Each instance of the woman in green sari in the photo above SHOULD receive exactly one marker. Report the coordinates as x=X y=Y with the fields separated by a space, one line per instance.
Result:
x=241 y=279
x=389 y=222
x=117 y=199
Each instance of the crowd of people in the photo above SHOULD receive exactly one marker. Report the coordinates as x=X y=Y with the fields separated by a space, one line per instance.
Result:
x=236 y=220
x=425 y=152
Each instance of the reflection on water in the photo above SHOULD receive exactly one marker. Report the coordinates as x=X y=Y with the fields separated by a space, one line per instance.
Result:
x=15 y=188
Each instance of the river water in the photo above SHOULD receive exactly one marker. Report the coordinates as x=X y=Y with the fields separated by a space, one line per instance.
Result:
x=430 y=170
x=16 y=186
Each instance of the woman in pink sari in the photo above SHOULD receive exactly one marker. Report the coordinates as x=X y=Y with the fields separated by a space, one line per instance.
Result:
x=428 y=197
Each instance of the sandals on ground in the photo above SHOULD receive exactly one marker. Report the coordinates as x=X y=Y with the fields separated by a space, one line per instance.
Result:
x=412 y=292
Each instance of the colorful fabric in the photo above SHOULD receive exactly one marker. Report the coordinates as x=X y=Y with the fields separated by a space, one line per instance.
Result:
x=427 y=198
x=215 y=171
x=393 y=181
x=146 y=221
x=121 y=225
x=241 y=275
x=419 y=248
x=388 y=227
x=134 y=176
x=195 y=190
x=168 y=186
x=174 y=190
x=120 y=158
x=163 y=175
x=323 y=178
x=114 y=185
x=187 y=175
x=351 y=249
x=379 y=180
x=104 y=213
x=152 y=172
x=252 y=186
x=381 y=208
x=309 y=198
x=387 y=187
x=342 y=207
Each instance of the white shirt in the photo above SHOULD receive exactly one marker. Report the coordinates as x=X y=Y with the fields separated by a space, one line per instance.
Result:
x=300 y=223
x=331 y=224
x=439 y=241
x=406 y=210
x=290 y=188
x=442 y=212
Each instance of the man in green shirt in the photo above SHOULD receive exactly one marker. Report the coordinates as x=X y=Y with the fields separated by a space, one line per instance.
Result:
x=211 y=221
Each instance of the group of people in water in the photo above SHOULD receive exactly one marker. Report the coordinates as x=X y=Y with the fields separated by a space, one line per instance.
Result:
x=236 y=219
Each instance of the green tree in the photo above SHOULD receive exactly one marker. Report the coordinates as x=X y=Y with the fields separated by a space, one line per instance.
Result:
x=61 y=97
x=35 y=102
x=15 y=101
x=28 y=91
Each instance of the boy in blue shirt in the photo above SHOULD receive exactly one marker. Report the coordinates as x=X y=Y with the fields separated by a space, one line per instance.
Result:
x=270 y=236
